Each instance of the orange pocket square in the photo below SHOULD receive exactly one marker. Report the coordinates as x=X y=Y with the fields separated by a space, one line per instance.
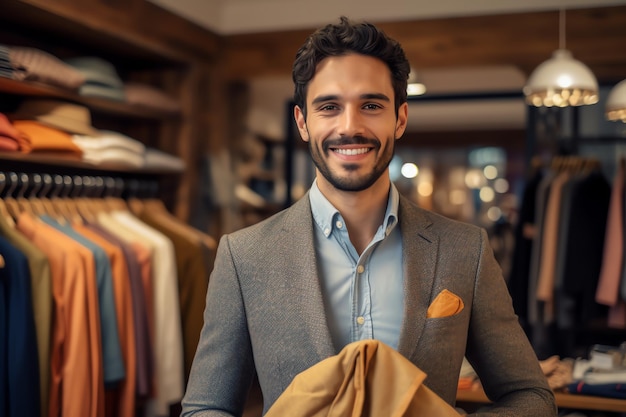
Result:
x=445 y=304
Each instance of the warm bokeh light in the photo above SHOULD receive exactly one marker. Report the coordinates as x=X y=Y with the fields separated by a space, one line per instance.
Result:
x=487 y=194
x=494 y=213
x=425 y=189
x=501 y=185
x=457 y=197
x=490 y=172
x=474 y=179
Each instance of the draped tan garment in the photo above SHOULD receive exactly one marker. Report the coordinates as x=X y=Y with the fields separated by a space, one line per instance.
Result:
x=367 y=378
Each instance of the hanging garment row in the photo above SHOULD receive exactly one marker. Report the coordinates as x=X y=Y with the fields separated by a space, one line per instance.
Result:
x=102 y=297
x=560 y=253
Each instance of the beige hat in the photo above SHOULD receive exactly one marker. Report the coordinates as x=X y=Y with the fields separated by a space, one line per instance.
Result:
x=69 y=117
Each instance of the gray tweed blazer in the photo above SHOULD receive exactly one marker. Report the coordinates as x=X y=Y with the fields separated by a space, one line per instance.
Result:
x=265 y=314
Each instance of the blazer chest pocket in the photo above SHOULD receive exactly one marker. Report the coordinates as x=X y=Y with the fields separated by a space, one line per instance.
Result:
x=445 y=304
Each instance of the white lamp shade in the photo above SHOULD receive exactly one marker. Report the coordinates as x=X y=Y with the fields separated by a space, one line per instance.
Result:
x=415 y=86
x=561 y=81
x=616 y=103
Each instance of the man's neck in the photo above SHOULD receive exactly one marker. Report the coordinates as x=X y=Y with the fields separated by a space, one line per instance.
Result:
x=362 y=211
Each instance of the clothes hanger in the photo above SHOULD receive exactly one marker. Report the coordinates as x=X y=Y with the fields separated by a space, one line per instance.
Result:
x=134 y=198
x=114 y=200
x=94 y=190
x=34 y=201
x=155 y=206
x=57 y=187
x=73 y=187
x=11 y=203
x=54 y=204
x=4 y=210
x=22 y=201
x=44 y=197
x=85 y=205
x=4 y=213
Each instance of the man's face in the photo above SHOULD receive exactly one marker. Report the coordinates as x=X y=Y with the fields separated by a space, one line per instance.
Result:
x=350 y=124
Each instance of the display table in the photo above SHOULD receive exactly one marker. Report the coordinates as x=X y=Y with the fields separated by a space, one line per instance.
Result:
x=563 y=400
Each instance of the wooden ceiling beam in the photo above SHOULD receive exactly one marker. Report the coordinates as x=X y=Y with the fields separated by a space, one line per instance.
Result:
x=596 y=36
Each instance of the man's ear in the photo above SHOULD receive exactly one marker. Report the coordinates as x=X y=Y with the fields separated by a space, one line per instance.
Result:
x=403 y=116
x=298 y=114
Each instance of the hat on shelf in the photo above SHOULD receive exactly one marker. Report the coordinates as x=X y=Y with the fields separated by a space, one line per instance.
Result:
x=69 y=117
x=101 y=78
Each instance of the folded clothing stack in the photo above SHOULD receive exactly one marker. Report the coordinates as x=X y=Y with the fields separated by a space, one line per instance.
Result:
x=602 y=375
x=111 y=147
x=6 y=68
x=32 y=64
x=9 y=136
x=46 y=125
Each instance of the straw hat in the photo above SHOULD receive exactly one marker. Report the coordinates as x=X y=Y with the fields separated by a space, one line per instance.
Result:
x=69 y=117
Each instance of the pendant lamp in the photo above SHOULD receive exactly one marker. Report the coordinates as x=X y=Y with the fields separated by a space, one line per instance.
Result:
x=415 y=86
x=561 y=80
x=616 y=103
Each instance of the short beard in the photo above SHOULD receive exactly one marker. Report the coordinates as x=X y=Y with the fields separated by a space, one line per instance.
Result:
x=352 y=184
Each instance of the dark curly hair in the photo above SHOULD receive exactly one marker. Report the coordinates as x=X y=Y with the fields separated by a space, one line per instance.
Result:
x=344 y=38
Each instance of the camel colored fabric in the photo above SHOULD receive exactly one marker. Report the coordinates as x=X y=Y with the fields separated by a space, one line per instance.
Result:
x=547 y=266
x=607 y=292
x=36 y=137
x=367 y=378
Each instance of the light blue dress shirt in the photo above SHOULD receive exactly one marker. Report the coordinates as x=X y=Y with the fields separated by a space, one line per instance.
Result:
x=363 y=295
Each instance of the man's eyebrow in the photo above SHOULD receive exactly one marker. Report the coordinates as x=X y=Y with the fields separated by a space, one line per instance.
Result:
x=376 y=96
x=322 y=99
x=368 y=96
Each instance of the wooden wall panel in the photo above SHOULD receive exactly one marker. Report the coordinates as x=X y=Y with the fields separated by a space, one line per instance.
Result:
x=595 y=36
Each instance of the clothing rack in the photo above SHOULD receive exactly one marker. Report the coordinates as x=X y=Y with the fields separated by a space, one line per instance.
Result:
x=563 y=214
x=122 y=222
x=25 y=185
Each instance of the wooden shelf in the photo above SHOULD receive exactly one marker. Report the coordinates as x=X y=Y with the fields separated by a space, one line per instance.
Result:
x=10 y=160
x=34 y=89
x=563 y=400
x=121 y=28
x=176 y=55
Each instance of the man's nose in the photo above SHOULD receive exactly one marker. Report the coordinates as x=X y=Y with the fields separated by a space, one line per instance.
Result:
x=350 y=122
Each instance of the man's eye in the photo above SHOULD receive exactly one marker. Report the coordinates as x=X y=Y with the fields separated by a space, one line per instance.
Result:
x=372 y=106
x=328 y=107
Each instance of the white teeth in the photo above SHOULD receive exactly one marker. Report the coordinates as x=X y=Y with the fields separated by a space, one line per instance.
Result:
x=352 y=151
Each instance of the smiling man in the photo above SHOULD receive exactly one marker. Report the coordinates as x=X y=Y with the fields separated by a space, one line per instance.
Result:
x=353 y=260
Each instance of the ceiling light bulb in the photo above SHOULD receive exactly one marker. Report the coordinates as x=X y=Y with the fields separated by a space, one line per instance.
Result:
x=561 y=81
x=415 y=86
x=415 y=89
x=616 y=103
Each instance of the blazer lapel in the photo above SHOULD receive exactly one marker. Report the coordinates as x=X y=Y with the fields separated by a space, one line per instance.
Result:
x=420 y=247
x=298 y=233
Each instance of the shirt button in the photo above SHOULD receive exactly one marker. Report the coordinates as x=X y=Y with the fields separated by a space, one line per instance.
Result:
x=339 y=224
x=360 y=320
x=360 y=269
x=326 y=232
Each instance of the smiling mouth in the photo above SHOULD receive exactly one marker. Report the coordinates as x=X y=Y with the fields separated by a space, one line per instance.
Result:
x=350 y=152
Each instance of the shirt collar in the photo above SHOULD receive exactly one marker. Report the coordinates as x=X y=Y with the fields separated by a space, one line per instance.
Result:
x=324 y=213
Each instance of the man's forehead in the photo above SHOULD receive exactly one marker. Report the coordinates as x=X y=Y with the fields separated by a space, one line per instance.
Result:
x=352 y=76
